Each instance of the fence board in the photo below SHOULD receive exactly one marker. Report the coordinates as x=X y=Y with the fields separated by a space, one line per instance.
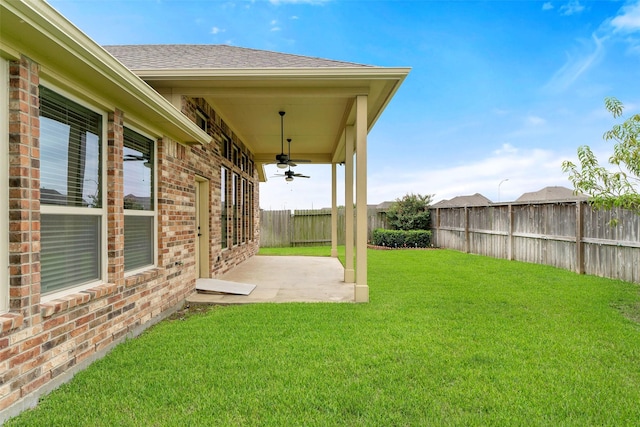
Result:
x=546 y=233
x=310 y=227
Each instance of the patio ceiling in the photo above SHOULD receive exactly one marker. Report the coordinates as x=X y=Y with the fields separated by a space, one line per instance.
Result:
x=318 y=102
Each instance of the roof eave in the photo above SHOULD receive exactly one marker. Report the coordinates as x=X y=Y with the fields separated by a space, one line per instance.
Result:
x=365 y=72
x=42 y=25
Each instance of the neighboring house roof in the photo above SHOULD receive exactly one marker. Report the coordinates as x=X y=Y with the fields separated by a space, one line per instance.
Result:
x=384 y=205
x=214 y=56
x=458 y=201
x=552 y=193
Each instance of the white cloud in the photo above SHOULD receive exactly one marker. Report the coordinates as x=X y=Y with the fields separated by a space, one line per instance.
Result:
x=535 y=121
x=547 y=6
x=571 y=8
x=526 y=170
x=576 y=67
x=629 y=20
x=216 y=30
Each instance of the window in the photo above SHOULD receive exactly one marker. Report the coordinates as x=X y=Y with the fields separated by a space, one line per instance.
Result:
x=224 y=224
x=72 y=216
x=236 y=156
x=202 y=120
x=225 y=147
x=245 y=212
x=251 y=213
x=4 y=188
x=139 y=203
x=236 y=206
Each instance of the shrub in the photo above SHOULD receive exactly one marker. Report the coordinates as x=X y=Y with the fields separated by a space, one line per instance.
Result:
x=401 y=238
x=410 y=212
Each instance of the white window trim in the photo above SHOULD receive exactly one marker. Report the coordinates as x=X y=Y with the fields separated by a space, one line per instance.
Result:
x=4 y=187
x=48 y=209
x=153 y=213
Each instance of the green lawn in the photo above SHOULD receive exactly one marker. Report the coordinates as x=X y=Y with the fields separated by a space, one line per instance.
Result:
x=447 y=339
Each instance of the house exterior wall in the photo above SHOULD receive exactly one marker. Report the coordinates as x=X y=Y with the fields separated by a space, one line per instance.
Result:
x=45 y=339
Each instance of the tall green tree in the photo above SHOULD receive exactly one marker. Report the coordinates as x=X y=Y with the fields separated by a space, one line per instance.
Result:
x=411 y=212
x=615 y=186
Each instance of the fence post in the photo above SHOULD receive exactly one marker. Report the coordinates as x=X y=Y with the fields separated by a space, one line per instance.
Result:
x=579 y=239
x=437 y=243
x=466 y=230
x=510 y=233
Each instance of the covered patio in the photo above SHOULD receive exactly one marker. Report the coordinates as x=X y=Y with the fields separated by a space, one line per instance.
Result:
x=329 y=108
x=283 y=279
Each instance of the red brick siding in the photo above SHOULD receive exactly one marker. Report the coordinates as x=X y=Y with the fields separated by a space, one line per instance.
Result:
x=41 y=340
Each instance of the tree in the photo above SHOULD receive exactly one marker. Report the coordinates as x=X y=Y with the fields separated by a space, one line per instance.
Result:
x=617 y=186
x=411 y=212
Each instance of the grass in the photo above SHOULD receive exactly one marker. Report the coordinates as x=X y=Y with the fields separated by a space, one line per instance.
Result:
x=447 y=339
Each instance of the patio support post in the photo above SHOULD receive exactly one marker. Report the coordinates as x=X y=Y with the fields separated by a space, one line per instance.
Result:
x=361 y=286
x=334 y=212
x=349 y=272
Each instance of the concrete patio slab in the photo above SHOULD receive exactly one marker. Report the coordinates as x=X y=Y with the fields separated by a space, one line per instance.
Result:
x=284 y=279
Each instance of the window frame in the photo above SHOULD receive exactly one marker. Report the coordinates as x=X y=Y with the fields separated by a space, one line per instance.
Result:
x=146 y=213
x=4 y=188
x=82 y=211
x=224 y=207
x=202 y=120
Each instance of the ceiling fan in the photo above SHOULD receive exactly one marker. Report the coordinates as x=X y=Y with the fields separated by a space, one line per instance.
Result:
x=284 y=160
x=289 y=175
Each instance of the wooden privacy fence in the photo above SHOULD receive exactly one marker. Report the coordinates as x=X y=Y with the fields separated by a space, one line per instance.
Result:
x=568 y=235
x=309 y=227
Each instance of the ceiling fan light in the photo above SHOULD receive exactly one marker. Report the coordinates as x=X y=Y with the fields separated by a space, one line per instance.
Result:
x=282 y=165
x=289 y=178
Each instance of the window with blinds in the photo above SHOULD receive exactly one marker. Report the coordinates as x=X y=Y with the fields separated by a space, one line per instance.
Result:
x=139 y=194
x=70 y=180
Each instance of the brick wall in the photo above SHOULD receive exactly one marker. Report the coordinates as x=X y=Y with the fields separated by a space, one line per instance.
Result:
x=42 y=342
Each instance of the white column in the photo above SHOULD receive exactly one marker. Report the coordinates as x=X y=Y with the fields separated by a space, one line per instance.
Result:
x=361 y=287
x=349 y=272
x=334 y=212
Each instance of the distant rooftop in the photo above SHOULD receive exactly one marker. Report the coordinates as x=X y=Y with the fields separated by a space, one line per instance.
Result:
x=458 y=201
x=213 y=56
x=548 y=194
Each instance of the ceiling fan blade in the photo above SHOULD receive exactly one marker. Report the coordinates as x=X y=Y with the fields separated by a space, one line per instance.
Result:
x=300 y=160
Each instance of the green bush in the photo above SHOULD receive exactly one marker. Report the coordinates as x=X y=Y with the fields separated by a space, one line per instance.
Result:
x=410 y=212
x=401 y=238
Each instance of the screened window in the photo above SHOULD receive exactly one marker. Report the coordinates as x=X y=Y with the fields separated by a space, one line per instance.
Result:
x=70 y=193
x=139 y=210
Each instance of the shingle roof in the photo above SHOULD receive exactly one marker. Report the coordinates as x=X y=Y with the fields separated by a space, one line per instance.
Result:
x=550 y=194
x=213 y=56
x=459 y=201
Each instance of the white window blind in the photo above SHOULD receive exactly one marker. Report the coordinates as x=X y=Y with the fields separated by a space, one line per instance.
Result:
x=139 y=216
x=70 y=179
x=70 y=250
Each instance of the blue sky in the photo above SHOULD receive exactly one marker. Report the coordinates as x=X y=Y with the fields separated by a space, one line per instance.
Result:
x=499 y=90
